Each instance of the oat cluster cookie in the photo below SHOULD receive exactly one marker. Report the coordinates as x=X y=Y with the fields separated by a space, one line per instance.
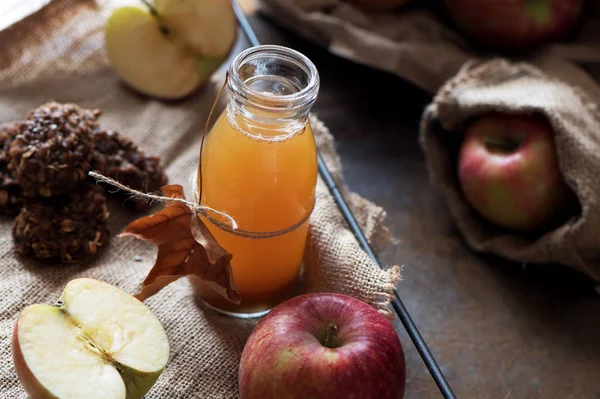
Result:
x=69 y=228
x=119 y=158
x=52 y=153
x=44 y=165
x=10 y=191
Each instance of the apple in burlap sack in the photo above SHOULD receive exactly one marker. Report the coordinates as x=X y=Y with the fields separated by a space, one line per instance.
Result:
x=323 y=346
x=514 y=24
x=508 y=171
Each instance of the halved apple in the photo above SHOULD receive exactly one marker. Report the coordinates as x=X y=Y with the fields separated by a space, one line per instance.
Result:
x=170 y=52
x=207 y=27
x=96 y=342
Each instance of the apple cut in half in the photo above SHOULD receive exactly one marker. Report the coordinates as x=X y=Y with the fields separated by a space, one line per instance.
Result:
x=96 y=342
x=172 y=51
x=207 y=27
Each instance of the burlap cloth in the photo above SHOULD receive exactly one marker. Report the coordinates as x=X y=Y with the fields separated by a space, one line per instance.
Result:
x=57 y=54
x=519 y=88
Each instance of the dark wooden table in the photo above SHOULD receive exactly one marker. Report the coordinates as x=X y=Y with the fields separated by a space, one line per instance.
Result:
x=498 y=329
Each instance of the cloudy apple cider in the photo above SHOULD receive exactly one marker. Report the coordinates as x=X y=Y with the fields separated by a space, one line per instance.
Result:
x=259 y=165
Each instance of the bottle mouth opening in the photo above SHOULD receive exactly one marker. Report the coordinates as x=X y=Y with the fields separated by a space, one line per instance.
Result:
x=274 y=78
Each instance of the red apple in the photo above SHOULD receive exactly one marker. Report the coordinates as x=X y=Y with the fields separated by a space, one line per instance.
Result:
x=323 y=346
x=508 y=170
x=514 y=24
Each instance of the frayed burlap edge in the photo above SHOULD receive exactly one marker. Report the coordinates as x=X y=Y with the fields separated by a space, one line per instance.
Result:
x=328 y=230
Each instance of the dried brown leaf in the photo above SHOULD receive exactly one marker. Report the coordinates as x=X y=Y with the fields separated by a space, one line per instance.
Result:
x=185 y=247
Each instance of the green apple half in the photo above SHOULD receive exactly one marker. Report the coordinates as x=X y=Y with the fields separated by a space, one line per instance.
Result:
x=97 y=342
x=172 y=51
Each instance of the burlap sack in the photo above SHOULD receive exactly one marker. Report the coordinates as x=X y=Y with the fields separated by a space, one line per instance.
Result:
x=57 y=54
x=413 y=42
x=498 y=85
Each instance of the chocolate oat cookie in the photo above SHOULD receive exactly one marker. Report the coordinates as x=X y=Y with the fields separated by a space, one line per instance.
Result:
x=118 y=157
x=44 y=165
x=10 y=192
x=68 y=228
x=51 y=154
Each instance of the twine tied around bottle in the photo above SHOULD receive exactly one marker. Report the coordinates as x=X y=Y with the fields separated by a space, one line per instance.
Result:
x=197 y=208
x=228 y=223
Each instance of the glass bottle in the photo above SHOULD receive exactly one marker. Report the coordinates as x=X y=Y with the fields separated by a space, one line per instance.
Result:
x=259 y=165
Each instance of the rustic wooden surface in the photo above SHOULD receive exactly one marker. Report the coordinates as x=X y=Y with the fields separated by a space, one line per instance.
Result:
x=499 y=330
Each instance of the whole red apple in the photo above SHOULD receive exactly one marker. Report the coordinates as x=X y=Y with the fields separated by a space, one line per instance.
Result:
x=323 y=346
x=508 y=170
x=514 y=24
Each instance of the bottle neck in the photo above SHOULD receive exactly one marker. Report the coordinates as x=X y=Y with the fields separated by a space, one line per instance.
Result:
x=272 y=91
x=249 y=119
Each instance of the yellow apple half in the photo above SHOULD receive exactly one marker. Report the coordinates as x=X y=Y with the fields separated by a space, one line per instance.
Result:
x=97 y=343
x=171 y=53
x=206 y=26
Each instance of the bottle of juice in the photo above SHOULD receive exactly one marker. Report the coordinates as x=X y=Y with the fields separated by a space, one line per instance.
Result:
x=259 y=165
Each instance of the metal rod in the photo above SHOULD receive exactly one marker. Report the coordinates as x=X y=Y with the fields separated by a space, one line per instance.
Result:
x=419 y=342
x=245 y=25
x=397 y=304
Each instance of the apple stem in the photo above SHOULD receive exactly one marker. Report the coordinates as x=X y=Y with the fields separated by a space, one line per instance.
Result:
x=331 y=330
x=165 y=31
x=150 y=7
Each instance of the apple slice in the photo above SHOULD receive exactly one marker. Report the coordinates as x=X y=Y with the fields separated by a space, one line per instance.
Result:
x=97 y=342
x=145 y=59
x=170 y=52
x=206 y=26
